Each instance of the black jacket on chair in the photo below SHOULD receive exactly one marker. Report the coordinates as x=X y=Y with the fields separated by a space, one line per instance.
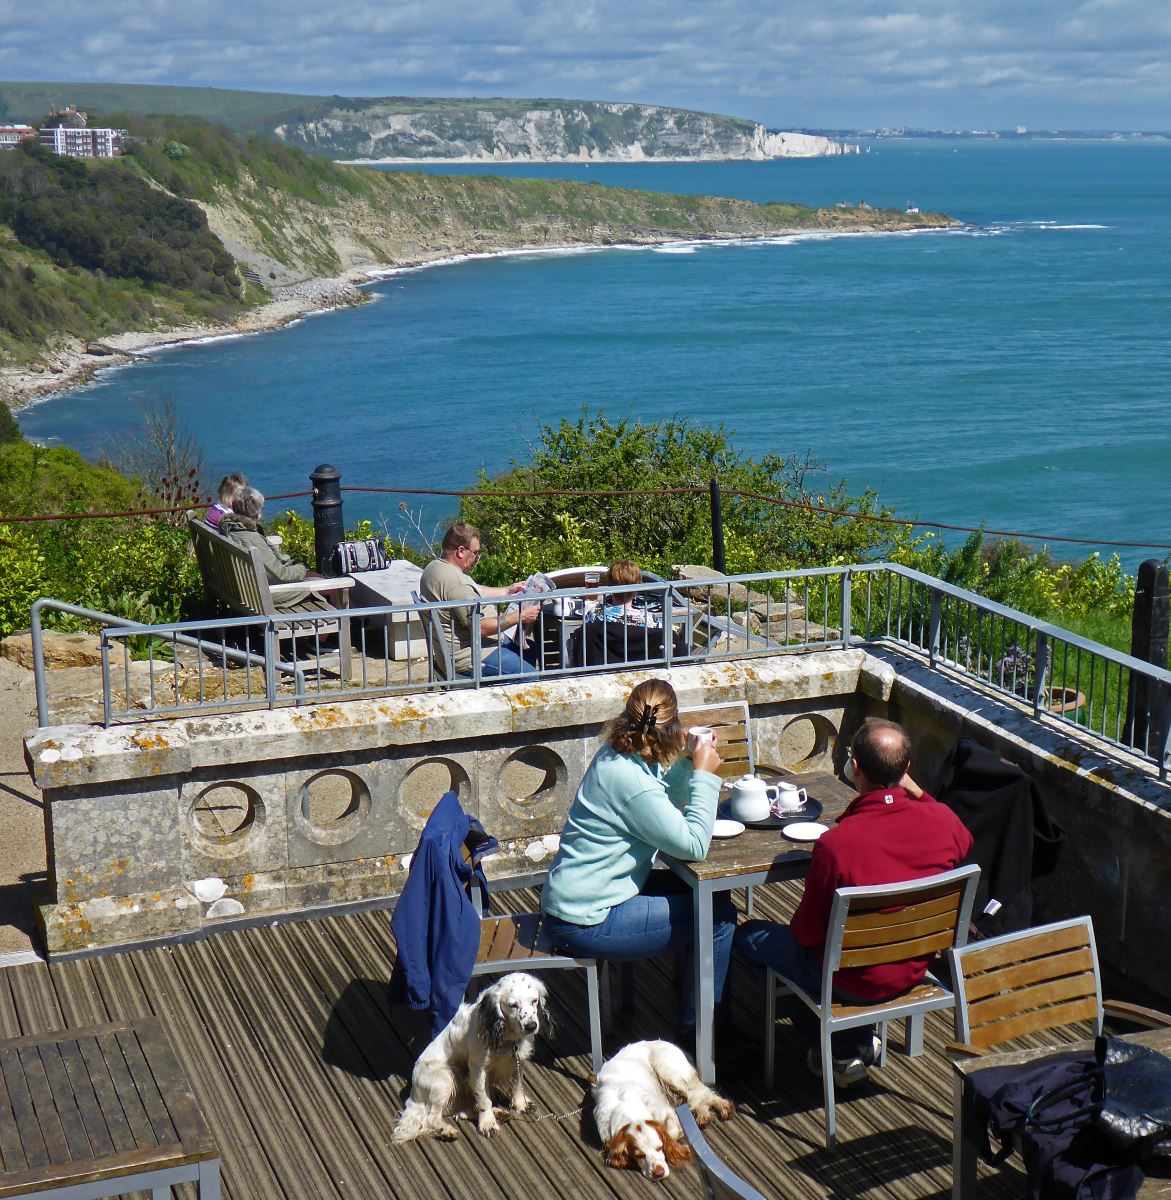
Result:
x=599 y=642
x=1015 y=839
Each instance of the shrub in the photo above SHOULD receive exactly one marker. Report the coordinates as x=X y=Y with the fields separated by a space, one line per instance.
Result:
x=22 y=577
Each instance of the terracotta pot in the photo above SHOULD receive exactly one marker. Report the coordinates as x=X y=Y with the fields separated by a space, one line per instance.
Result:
x=1065 y=700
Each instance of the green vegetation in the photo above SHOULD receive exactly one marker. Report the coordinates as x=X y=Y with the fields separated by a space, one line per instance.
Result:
x=104 y=218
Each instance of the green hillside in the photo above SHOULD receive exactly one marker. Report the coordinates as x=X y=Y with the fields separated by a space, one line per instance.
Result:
x=32 y=102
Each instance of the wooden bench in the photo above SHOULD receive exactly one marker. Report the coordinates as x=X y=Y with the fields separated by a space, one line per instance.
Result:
x=101 y=1111
x=236 y=577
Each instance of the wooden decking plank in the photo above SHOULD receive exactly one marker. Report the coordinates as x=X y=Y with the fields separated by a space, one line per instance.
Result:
x=453 y=1163
x=9 y=1016
x=78 y=996
x=35 y=1000
x=210 y=1067
x=293 y=1038
x=296 y=1167
x=359 y=1073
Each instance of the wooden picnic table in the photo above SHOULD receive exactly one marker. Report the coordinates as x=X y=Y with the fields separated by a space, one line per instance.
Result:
x=100 y=1111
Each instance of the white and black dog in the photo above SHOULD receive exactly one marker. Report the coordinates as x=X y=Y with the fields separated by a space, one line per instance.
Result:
x=482 y=1050
x=634 y=1106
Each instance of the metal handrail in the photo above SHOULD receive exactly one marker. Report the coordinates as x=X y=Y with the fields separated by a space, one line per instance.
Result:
x=109 y=621
x=922 y=613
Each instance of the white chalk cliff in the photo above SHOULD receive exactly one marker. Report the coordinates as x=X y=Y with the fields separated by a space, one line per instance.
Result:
x=540 y=131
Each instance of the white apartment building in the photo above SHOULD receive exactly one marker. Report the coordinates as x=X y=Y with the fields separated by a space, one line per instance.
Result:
x=82 y=143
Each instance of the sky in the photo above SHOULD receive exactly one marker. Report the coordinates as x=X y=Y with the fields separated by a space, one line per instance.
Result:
x=836 y=64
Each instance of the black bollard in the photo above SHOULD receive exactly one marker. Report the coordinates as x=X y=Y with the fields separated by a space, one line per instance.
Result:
x=718 y=560
x=1148 y=641
x=328 y=527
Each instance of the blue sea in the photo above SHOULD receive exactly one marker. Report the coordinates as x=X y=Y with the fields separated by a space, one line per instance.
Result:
x=1012 y=374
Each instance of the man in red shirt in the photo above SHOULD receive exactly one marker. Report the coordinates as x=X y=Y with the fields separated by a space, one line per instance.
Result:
x=892 y=832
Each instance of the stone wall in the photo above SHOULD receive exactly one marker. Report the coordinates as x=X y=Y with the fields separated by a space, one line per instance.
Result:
x=167 y=828
x=171 y=828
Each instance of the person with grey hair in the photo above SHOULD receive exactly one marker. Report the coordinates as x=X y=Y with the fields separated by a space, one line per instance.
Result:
x=243 y=526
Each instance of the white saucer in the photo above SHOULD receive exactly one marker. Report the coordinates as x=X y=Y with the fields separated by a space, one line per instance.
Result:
x=804 y=831
x=727 y=829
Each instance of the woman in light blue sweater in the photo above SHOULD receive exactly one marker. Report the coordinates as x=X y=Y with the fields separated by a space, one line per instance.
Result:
x=639 y=795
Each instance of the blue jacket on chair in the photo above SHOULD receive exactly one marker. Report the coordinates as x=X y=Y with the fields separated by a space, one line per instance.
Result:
x=435 y=924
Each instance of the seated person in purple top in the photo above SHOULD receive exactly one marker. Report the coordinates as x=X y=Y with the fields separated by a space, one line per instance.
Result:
x=229 y=486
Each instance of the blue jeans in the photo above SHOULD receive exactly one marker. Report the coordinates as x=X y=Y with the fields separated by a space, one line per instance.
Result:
x=503 y=661
x=768 y=944
x=660 y=918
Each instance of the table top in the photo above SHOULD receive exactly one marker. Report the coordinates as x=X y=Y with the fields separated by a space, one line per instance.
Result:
x=392 y=585
x=757 y=850
x=1157 y=1039
x=96 y=1103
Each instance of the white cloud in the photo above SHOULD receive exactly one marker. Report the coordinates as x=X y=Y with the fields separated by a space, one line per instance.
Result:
x=840 y=63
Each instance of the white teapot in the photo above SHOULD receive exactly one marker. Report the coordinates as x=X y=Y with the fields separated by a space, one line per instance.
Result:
x=750 y=799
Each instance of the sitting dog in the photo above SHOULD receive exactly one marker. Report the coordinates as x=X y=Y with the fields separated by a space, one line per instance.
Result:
x=482 y=1049
x=634 y=1106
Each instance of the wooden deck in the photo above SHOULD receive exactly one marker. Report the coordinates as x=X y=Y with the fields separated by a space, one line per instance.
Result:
x=300 y=1067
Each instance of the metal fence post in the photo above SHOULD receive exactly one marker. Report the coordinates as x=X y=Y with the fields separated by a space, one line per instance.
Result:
x=328 y=527
x=1040 y=674
x=270 y=653
x=847 y=608
x=718 y=560
x=1149 y=629
x=933 y=628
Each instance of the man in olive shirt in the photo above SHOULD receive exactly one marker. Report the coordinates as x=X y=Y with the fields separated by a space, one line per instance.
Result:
x=447 y=578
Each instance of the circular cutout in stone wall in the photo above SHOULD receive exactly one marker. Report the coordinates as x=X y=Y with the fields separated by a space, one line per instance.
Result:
x=804 y=741
x=225 y=813
x=425 y=782
x=333 y=804
x=531 y=780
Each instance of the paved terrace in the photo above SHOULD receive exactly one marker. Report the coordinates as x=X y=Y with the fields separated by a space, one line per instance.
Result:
x=299 y=1065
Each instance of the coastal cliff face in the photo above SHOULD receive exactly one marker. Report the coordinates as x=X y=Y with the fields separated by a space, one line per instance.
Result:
x=485 y=131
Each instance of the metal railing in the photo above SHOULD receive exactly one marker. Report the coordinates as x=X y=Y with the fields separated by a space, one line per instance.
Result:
x=1117 y=699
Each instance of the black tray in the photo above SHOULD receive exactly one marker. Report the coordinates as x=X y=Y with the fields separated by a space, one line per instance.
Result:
x=809 y=811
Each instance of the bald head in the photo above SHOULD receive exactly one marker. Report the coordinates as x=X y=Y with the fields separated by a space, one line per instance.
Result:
x=881 y=752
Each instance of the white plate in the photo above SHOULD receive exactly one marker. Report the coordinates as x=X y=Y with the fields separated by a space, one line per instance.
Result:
x=804 y=831
x=725 y=829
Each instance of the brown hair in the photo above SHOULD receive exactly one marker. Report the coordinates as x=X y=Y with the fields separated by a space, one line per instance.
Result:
x=649 y=724
x=882 y=751
x=461 y=534
x=229 y=486
x=622 y=572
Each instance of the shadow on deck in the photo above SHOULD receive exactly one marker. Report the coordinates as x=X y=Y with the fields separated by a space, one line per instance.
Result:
x=301 y=1067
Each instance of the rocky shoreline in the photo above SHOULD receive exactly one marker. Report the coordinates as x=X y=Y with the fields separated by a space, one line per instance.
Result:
x=72 y=361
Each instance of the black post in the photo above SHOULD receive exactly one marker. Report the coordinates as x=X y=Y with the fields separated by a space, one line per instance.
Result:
x=1148 y=640
x=718 y=560
x=328 y=526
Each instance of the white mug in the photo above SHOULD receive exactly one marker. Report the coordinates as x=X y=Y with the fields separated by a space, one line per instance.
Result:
x=698 y=734
x=790 y=797
x=751 y=799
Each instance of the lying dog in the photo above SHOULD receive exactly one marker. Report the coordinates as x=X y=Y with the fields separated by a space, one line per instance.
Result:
x=634 y=1106
x=482 y=1049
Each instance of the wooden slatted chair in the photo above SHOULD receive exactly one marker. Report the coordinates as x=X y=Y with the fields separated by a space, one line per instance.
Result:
x=733 y=734
x=235 y=576
x=720 y=1182
x=515 y=942
x=868 y=926
x=734 y=742
x=1025 y=983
